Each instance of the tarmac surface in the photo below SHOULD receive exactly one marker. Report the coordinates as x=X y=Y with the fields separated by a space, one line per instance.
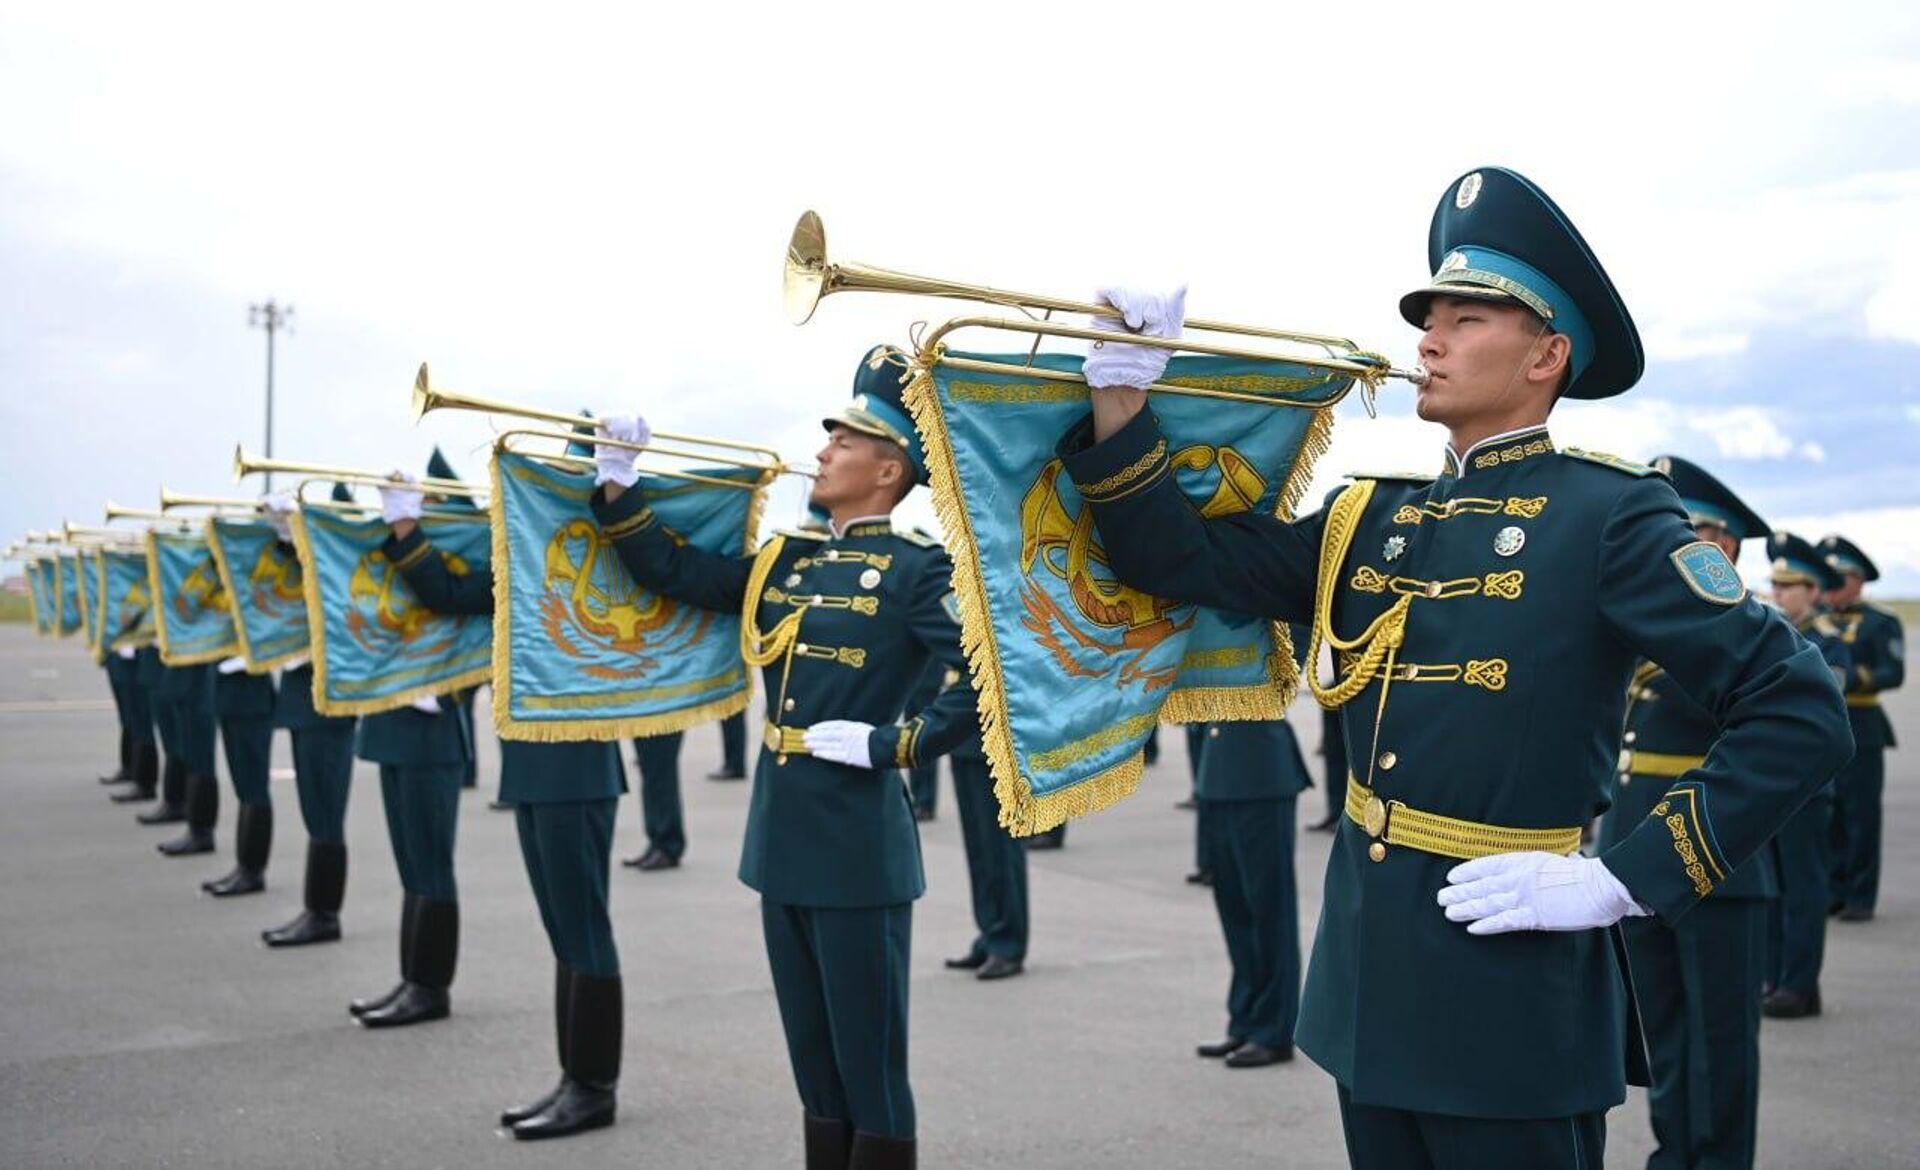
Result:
x=142 y=1024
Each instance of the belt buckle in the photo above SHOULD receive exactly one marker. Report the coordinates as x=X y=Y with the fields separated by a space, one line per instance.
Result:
x=772 y=738
x=1374 y=819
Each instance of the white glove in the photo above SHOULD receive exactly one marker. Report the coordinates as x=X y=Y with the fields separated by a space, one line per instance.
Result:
x=127 y=652
x=616 y=464
x=426 y=706
x=842 y=741
x=1113 y=363
x=279 y=508
x=294 y=663
x=232 y=665
x=399 y=500
x=1535 y=891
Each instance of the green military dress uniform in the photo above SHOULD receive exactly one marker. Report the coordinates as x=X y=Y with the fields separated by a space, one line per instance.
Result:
x=996 y=861
x=244 y=704
x=1251 y=776
x=137 y=717
x=1492 y=616
x=1696 y=981
x=832 y=849
x=173 y=760
x=187 y=692
x=1877 y=643
x=662 y=812
x=322 y=779
x=1798 y=935
x=564 y=797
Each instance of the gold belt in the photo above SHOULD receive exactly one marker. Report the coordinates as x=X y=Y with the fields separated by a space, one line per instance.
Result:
x=786 y=741
x=1389 y=822
x=1867 y=700
x=1657 y=763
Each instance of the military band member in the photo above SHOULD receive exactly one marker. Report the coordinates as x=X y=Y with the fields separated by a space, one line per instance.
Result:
x=1251 y=774
x=564 y=797
x=1800 y=576
x=322 y=777
x=1697 y=981
x=189 y=692
x=1878 y=646
x=120 y=670
x=996 y=866
x=173 y=761
x=244 y=703
x=843 y=623
x=140 y=666
x=661 y=811
x=923 y=780
x=1464 y=990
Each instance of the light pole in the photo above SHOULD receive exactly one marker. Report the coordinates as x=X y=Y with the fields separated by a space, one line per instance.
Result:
x=272 y=317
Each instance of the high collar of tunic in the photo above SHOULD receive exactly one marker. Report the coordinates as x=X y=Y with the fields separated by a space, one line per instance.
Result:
x=1499 y=450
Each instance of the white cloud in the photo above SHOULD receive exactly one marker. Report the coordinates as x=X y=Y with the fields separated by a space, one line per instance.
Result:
x=1743 y=432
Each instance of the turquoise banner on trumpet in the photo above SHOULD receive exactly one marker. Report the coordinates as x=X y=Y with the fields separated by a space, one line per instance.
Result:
x=374 y=646
x=581 y=651
x=263 y=578
x=192 y=620
x=40 y=593
x=66 y=592
x=124 y=609
x=1073 y=668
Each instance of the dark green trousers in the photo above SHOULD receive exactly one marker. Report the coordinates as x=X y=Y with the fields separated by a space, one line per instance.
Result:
x=1379 y=1138
x=197 y=729
x=1698 y=987
x=733 y=742
x=996 y=863
x=1857 y=793
x=139 y=713
x=658 y=757
x=247 y=741
x=322 y=775
x=840 y=977
x=1250 y=843
x=567 y=846
x=1806 y=890
x=423 y=812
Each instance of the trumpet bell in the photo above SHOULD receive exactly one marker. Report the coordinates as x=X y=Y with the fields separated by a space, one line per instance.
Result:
x=807 y=270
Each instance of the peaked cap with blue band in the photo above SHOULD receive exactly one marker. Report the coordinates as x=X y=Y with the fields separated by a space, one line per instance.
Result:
x=1846 y=557
x=439 y=468
x=1497 y=237
x=1708 y=501
x=342 y=494
x=1795 y=560
x=879 y=406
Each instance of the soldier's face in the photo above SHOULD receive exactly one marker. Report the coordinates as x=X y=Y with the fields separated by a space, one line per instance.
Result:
x=1481 y=357
x=853 y=467
x=1848 y=593
x=1795 y=598
x=1719 y=536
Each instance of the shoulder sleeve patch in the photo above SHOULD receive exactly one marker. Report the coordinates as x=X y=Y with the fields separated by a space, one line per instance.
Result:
x=1626 y=466
x=1708 y=572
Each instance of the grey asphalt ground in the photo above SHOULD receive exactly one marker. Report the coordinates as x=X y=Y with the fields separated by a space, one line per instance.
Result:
x=143 y=1024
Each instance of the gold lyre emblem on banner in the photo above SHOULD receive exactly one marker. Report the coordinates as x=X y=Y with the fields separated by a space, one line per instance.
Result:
x=1110 y=619
x=381 y=615
x=593 y=611
x=200 y=592
x=274 y=581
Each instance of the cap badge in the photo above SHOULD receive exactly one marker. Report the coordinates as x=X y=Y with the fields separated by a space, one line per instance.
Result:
x=1468 y=191
x=1508 y=541
x=1454 y=260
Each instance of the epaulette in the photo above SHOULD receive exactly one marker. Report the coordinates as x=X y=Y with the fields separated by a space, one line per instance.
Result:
x=1825 y=624
x=801 y=533
x=915 y=536
x=1401 y=476
x=1613 y=461
x=1882 y=610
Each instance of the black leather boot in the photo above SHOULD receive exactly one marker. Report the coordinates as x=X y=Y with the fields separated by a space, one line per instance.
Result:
x=173 y=795
x=203 y=812
x=879 y=1153
x=146 y=775
x=829 y=1143
x=325 y=886
x=562 y=1010
x=124 y=773
x=427 y=971
x=252 y=845
x=585 y=1100
x=409 y=903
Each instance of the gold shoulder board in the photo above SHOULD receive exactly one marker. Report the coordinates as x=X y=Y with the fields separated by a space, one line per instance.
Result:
x=1614 y=461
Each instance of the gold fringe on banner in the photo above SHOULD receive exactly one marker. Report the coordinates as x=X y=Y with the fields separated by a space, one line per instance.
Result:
x=1022 y=812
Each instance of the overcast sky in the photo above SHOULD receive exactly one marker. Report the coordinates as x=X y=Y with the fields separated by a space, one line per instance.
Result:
x=588 y=206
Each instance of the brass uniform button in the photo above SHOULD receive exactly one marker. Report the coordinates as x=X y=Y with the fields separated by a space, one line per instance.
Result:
x=1377 y=851
x=1626 y=762
x=800 y=648
x=1433 y=589
x=787 y=706
x=1631 y=736
x=1626 y=781
x=1213 y=733
x=781 y=759
x=1387 y=761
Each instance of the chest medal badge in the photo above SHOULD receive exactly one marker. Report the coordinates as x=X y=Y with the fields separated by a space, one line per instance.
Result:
x=1391 y=551
x=1508 y=541
x=870 y=579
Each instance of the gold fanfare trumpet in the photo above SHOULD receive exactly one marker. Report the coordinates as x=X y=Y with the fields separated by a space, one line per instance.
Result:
x=121 y=512
x=810 y=277
x=764 y=460
x=245 y=465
